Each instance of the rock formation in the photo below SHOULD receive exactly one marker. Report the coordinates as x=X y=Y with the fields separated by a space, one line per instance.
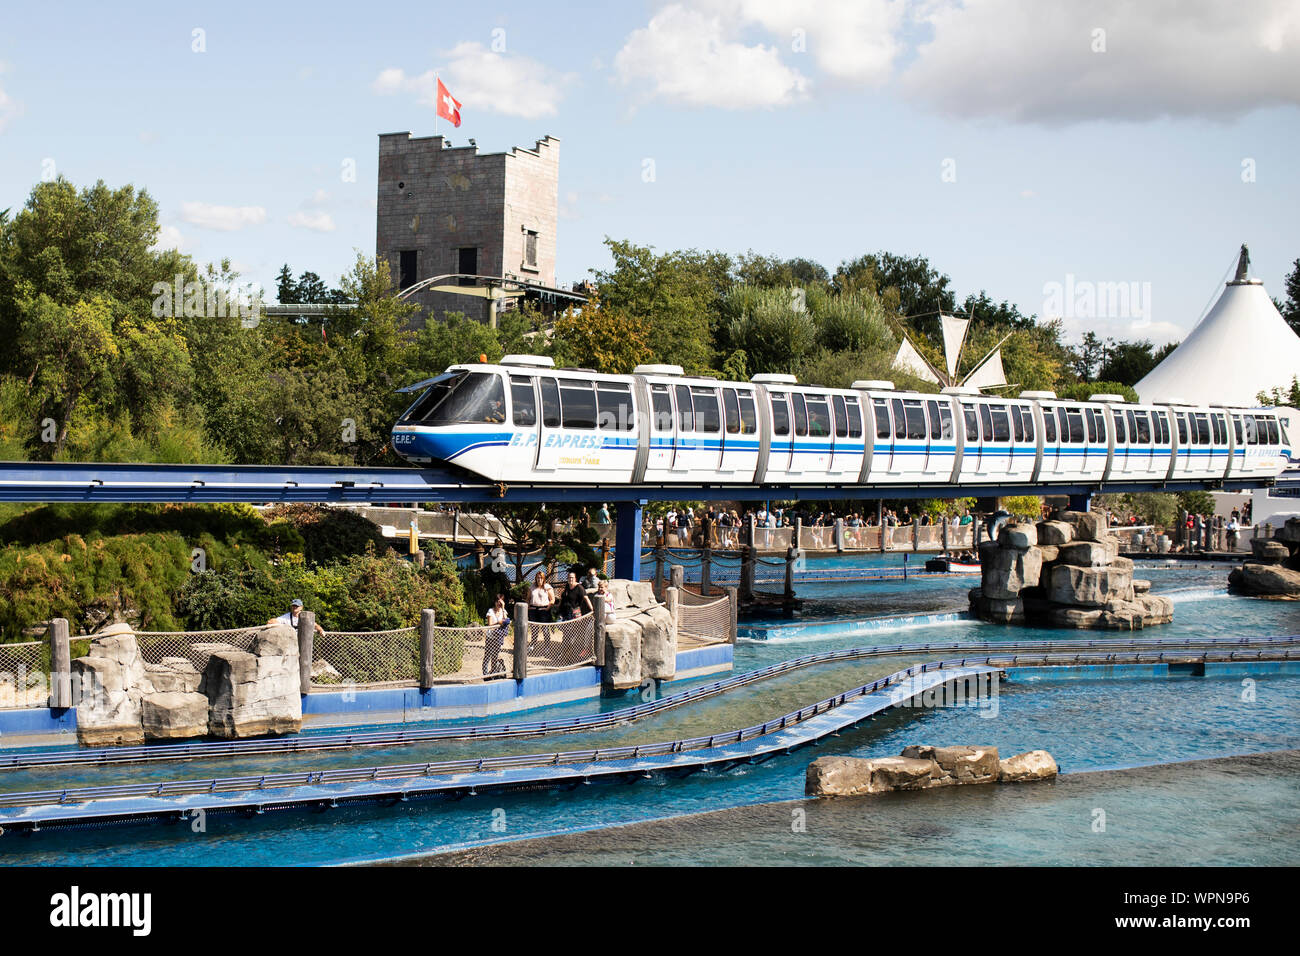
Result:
x=124 y=700
x=1065 y=572
x=1274 y=571
x=922 y=767
x=640 y=640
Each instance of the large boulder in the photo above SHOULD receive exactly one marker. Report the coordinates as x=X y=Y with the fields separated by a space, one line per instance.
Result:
x=622 y=668
x=111 y=680
x=658 y=642
x=174 y=715
x=997 y=610
x=1088 y=587
x=957 y=765
x=255 y=692
x=1265 y=580
x=1269 y=551
x=1005 y=571
x=1060 y=615
x=1055 y=532
x=1084 y=554
x=1289 y=533
x=1019 y=536
x=174 y=675
x=1159 y=610
x=1028 y=767
x=849 y=776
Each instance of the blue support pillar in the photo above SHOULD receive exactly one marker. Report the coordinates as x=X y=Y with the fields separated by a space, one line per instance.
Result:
x=1081 y=502
x=627 y=540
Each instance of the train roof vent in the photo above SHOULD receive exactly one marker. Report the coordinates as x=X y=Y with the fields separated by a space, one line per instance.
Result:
x=1038 y=393
x=874 y=384
x=657 y=370
x=532 y=361
x=774 y=378
x=1106 y=397
x=960 y=390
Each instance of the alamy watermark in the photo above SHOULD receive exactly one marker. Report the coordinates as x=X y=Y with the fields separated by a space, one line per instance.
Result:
x=194 y=299
x=1085 y=299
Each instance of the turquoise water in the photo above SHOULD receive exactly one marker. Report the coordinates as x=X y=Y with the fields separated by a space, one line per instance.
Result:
x=1087 y=725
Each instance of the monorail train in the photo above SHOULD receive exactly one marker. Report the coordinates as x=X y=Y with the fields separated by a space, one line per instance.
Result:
x=524 y=420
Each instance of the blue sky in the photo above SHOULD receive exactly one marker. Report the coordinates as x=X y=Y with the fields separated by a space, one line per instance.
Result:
x=1010 y=142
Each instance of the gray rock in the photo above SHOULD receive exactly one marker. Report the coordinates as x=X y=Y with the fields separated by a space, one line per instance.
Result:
x=622 y=668
x=957 y=765
x=1265 y=580
x=1074 y=617
x=658 y=643
x=323 y=672
x=1088 y=587
x=1141 y=586
x=174 y=716
x=1055 y=532
x=1020 y=536
x=1028 y=767
x=849 y=776
x=1004 y=571
x=1084 y=554
x=1269 y=551
x=1000 y=610
x=255 y=692
x=174 y=675
x=1123 y=616
x=1159 y=610
x=107 y=714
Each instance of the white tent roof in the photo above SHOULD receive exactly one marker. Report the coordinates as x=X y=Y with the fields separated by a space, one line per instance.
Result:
x=1242 y=347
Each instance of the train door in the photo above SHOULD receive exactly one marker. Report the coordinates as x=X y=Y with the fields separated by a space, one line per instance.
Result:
x=662 y=430
x=882 y=442
x=551 y=431
x=1220 y=459
x=971 y=463
x=706 y=455
x=1024 y=449
x=821 y=434
x=799 y=456
x=1049 y=466
x=942 y=450
x=782 y=444
x=1120 y=464
x=846 y=459
x=1183 y=456
x=997 y=450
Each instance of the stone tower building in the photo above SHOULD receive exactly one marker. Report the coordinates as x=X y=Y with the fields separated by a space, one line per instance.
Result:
x=449 y=211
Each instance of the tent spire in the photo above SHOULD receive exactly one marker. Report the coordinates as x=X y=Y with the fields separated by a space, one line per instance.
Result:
x=1243 y=264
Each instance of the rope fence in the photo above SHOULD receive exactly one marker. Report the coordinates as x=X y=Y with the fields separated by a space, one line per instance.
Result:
x=194 y=646
x=24 y=674
x=702 y=621
x=371 y=657
x=561 y=644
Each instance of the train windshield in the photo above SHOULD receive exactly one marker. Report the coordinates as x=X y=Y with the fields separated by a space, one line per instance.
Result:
x=460 y=398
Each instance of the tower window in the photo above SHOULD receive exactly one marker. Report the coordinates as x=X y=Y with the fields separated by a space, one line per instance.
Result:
x=530 y=248
x=467 y=264
x=408 y=260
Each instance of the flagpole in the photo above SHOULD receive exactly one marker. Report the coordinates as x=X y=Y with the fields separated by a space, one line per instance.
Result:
x=435 y=102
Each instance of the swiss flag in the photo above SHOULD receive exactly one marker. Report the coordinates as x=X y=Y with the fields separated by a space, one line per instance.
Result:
x=448 y=106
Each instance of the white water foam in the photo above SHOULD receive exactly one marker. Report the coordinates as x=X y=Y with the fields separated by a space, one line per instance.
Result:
x=829 y=630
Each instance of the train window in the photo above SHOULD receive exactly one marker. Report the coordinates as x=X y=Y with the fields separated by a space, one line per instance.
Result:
x=1027 y=416
x=1181 y=419
x=1142 y=427
x=550 y=403
x=841 y=417
x=800 y=414
x=1075 y=420
x=780 y=415
x=900 y=419
x=1017 y=427
x=1202 y=429
x=748 y=418
x=881 y=408
x=466 y=398
x=819 y=417
x=1132 y=427
x=663 y=406
x=945 y=423
x=1049 y=426
x=685 y=410
x=1273 y=436
x=1282 y=436
x=1121 y=433
x=1001 y=427
x=1252 y=435
x=972 y=423
x=731 y=409
x=1220 y=429
x=708 y=418
x=578 y=404
x=915 y=415
x=1096 y=425
x=523 y=401
x=615 y=404
x=855 y=418
x=1236 y=428
x=1063 y=423
x=986 y=423
x=935 y=425
x=1162 y=421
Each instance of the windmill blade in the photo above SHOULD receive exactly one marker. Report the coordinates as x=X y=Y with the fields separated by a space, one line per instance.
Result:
x=954 y=337
x=913 y=362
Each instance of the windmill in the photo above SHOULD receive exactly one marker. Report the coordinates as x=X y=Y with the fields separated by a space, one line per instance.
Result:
x=987 y=372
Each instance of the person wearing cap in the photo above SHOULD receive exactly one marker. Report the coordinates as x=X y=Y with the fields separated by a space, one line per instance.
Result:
x=290 y=617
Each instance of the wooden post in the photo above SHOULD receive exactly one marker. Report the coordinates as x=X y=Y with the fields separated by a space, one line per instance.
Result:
x=598 y=623
x=945 y=535
x=880 y=522
x=426 y=648
x=976 y=532
x=306 y=646
x=747 y=573
x=916 y=533
x=604 y=555
x=796 y=536
x=659 y=568
x=706 y=567
x=733 y=599
x=839 y=535
x=455 y=526
x=521 y=640
x=672 y=601
x=677 y=577
x=60 y=665
x=789 y=573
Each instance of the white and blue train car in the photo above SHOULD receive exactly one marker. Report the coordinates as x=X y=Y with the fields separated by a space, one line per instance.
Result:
x=523 y=420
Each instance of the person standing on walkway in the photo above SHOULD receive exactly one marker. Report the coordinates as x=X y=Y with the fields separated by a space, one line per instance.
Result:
x=290 y=616
x=498 y=622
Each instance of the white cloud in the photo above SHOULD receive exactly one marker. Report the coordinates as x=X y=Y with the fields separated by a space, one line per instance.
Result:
x=169 y=237
x=315 y=221
x=481 y=79
x=687 y=56
x=223 y=218
x=1034 y=62
x=851 y=40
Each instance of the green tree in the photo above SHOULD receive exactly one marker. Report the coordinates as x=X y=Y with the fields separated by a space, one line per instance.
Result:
x=286 y=287
x=1290 y=309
